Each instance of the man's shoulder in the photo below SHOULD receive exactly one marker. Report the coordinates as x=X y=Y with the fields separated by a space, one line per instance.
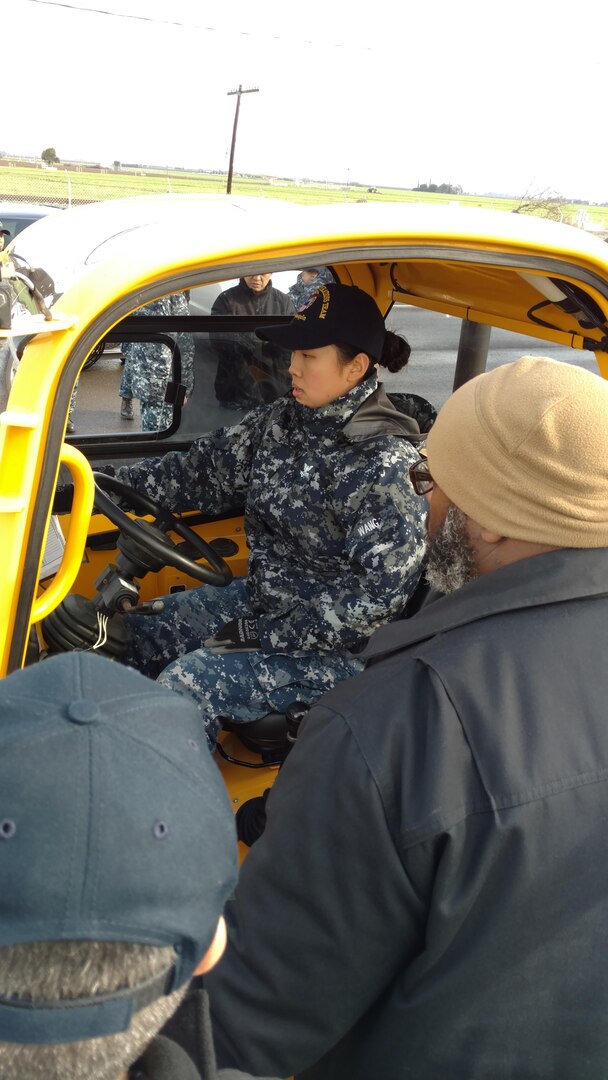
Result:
x=280 y=301
x=224 y=300
x=543 y=583
x=391 y=688
x=395 y=725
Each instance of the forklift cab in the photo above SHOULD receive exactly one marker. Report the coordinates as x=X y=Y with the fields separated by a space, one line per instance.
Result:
x=91 y=277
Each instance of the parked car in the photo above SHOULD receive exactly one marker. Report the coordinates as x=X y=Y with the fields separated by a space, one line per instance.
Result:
x=16 y=216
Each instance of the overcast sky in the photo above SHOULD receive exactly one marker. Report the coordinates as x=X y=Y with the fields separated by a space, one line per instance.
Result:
x=507 y=98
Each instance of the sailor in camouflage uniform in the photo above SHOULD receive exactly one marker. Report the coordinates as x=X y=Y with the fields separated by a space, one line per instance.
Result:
x=148 y=368
x=335 y=530
x=306 y=285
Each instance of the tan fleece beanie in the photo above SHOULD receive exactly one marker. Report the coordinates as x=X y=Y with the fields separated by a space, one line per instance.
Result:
x=523 y=450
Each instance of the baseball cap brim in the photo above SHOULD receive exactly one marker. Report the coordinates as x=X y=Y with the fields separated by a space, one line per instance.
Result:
x=336 y=314
x=298 y=334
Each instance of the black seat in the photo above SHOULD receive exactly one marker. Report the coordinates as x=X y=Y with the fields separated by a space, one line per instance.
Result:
x=267 y=735
x=271 y=735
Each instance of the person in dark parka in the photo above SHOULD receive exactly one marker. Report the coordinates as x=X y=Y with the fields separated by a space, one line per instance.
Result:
x=248 y=375
x=429 y=897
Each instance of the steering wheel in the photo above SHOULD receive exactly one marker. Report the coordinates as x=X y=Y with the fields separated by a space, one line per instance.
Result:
x=153 y=536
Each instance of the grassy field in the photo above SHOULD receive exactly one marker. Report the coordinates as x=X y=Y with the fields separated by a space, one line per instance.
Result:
x=69 y=183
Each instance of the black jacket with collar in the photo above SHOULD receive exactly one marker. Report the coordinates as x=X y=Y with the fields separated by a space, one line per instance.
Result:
x=429 y=897
x=249 y=373
x=241 y=300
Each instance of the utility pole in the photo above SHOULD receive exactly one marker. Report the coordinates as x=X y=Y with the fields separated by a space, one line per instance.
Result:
x=252 y=90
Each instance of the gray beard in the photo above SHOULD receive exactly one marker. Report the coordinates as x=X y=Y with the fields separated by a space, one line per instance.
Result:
x=450 y=557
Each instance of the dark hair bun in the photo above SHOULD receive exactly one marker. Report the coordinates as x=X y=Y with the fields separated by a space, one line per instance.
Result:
x=395 y=353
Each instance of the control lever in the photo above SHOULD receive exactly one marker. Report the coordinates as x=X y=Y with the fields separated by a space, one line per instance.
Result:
x=149 y=607
x=294 y=714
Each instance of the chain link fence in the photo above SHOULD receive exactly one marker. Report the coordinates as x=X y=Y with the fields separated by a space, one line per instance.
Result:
x=71 y=186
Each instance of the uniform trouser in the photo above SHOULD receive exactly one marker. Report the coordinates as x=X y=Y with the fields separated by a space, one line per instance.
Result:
x=73 y=400
x=125 y=390
x=241 y=686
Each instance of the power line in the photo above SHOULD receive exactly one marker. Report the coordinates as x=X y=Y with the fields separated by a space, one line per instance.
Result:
x=193 y=26
x=116 y=14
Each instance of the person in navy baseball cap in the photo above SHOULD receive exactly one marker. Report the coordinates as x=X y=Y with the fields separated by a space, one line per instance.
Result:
x=336 y=314
x=117 y=854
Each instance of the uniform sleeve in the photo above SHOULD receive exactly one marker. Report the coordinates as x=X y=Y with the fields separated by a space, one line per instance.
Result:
x=315 y=937
x=384 y=525
x=212 y=475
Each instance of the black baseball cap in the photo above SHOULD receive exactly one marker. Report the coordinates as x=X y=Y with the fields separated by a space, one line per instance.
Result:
x=336 y=315
x=115 y=825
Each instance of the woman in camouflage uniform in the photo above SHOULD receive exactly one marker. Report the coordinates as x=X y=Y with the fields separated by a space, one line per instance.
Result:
x=335 y=530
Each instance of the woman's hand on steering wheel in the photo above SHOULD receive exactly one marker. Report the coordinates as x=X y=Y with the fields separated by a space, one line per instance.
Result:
x=153 y=537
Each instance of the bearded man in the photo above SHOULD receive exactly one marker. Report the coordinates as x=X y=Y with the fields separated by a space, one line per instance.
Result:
x=429 y=896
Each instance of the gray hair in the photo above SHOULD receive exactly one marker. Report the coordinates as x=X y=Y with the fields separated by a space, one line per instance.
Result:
x=58 y=970
x=450 y=556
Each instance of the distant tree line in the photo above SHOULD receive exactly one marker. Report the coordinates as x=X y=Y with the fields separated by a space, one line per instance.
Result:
x=440 y=189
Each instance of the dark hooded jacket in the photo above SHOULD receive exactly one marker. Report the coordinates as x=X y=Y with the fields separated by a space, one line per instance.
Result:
x=428 y=900
x=249 y=372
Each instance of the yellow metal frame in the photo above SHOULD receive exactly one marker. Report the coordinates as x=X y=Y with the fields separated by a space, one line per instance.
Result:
x=76 y=538
x=468 y=264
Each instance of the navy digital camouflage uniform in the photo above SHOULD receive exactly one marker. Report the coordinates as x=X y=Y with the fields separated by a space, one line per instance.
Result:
x=336 y=537
x=148 y=365
x=302 y=292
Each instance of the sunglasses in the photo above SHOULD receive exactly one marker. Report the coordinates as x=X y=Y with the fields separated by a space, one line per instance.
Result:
x=421 y=478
